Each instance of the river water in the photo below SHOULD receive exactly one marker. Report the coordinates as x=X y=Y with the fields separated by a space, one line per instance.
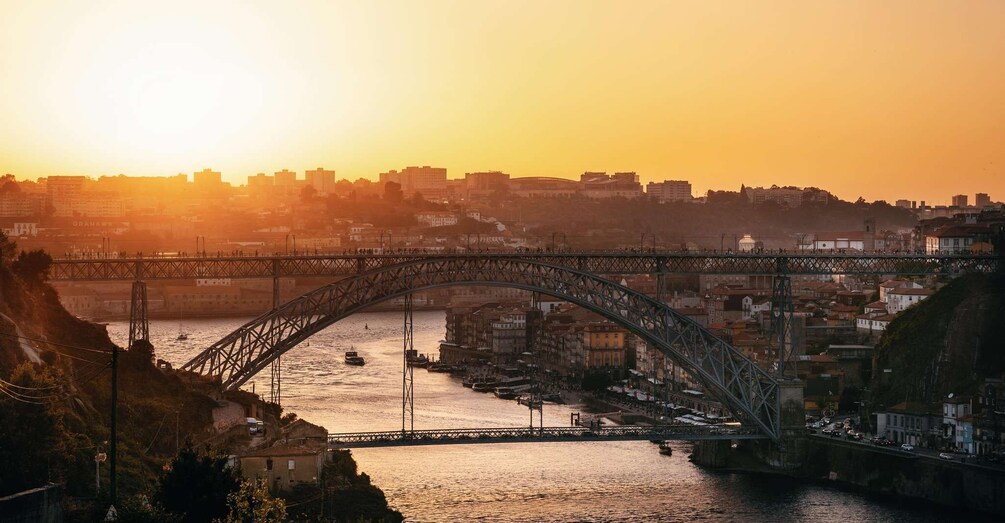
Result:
x=513 y=482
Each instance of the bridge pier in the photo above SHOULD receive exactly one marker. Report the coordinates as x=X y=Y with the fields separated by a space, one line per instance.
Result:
x=787 y=454
x=276 y=369
x=139 y=322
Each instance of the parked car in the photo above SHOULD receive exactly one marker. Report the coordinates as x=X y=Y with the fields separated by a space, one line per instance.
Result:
x=907 y=447
x=946 y=455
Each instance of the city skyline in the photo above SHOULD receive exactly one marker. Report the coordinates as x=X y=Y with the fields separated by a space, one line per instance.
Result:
x=891 y=101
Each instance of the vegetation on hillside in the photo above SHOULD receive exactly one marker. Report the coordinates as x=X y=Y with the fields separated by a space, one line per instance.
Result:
x=621 y=222
x=947 y=343
x=55 y=414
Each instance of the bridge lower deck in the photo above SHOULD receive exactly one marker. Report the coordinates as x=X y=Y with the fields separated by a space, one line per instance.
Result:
x=539 y=435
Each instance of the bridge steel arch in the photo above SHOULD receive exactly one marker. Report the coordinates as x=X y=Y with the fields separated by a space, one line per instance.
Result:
x=749 y=391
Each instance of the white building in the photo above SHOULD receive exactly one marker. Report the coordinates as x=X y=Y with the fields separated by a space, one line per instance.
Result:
x=746 y=244
x=436 y=218
x=898 y=300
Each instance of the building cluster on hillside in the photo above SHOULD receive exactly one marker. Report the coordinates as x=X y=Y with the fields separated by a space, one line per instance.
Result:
x=975 y=231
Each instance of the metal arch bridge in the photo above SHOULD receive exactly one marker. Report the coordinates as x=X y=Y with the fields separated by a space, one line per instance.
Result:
x=751 y=393
x=596 y=262
x=400 y=438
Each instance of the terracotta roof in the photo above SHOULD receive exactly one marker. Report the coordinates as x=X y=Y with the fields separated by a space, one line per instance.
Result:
x=286 y=450
x=915 y=407
x=959 y=231
x=913 y=292
x=834 y=236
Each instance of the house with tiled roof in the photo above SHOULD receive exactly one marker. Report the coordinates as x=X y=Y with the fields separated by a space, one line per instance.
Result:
x=899 y=300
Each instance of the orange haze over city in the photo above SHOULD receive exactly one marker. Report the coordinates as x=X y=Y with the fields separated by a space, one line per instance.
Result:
x=886 y=100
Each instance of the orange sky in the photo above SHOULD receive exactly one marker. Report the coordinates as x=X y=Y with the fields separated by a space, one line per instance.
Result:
x=882 y=99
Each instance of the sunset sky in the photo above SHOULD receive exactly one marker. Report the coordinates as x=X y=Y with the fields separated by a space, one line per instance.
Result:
x=881 y=99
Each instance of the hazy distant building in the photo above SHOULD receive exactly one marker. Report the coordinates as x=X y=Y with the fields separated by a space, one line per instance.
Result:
x=430 y=182
x=261 y=180
x=62 y=191
x=669 y=191
x=960 y=200
x=598 y=185
x=904 y=204
x=285 y=182
x=542 y=187
x=207 y=178
x=982 y=200
x=482 y=184
x=19 y=204
x=321 y=180
x=789 y=196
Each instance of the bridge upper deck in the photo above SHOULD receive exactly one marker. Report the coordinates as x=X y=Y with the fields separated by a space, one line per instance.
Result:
x=595 y=262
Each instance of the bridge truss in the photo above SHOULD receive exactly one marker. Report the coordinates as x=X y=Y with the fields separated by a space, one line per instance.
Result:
x=545 y=434
x=132 y=269
x=750 y=392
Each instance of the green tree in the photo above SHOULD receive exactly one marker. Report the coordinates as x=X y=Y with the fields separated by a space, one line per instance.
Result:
x=253 y=504
x=308 y=193
x=32 y=267
x=8 y=248
x=33 y=436
x=392 y=192
x=197 y=486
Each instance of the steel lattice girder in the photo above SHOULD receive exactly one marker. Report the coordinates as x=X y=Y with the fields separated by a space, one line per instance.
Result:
x=751 y=392
x=594 y=262
x=498 y=435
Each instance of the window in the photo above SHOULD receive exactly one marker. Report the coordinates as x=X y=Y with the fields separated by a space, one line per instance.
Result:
x=291 y=463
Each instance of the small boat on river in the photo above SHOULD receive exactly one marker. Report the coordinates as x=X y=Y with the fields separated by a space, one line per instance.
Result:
x=353 y=358
x=414 y=359
x=665 y=448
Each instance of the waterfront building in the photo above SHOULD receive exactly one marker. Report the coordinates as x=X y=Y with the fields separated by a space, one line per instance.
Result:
x=914 y=423
x=284 y=466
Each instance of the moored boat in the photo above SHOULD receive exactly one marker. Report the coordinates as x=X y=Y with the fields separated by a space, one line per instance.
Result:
x=665 y=448
x=414 y=359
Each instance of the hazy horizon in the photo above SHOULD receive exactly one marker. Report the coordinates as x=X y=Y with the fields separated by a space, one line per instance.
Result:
x=880 y=100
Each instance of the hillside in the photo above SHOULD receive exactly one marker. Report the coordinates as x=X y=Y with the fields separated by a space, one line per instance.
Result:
x=947 y=343
x=55 y=406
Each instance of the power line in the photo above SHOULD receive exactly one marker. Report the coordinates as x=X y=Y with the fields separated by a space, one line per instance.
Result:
x=15 y=398
x=47 y=342
x=9 y=384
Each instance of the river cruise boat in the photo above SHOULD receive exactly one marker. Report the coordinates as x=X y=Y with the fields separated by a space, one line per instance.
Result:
x=353 y=358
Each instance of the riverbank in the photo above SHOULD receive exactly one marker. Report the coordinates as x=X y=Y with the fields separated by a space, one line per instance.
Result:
x=979 y=491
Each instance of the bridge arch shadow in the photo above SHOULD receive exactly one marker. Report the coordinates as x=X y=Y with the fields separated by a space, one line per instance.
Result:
x=749 y=391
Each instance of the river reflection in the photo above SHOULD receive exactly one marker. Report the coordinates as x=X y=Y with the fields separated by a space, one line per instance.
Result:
x=513 y=482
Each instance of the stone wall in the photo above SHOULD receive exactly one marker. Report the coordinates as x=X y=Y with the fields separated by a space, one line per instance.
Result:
x=887 y=471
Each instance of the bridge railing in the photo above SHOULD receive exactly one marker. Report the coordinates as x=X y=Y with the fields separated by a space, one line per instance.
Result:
x=598 y=262
x=681 y=431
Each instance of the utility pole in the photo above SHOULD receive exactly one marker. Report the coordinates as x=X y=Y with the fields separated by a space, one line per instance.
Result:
x=113 y=439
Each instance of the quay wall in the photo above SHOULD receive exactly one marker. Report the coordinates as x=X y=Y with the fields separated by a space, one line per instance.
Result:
x=889 y=471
